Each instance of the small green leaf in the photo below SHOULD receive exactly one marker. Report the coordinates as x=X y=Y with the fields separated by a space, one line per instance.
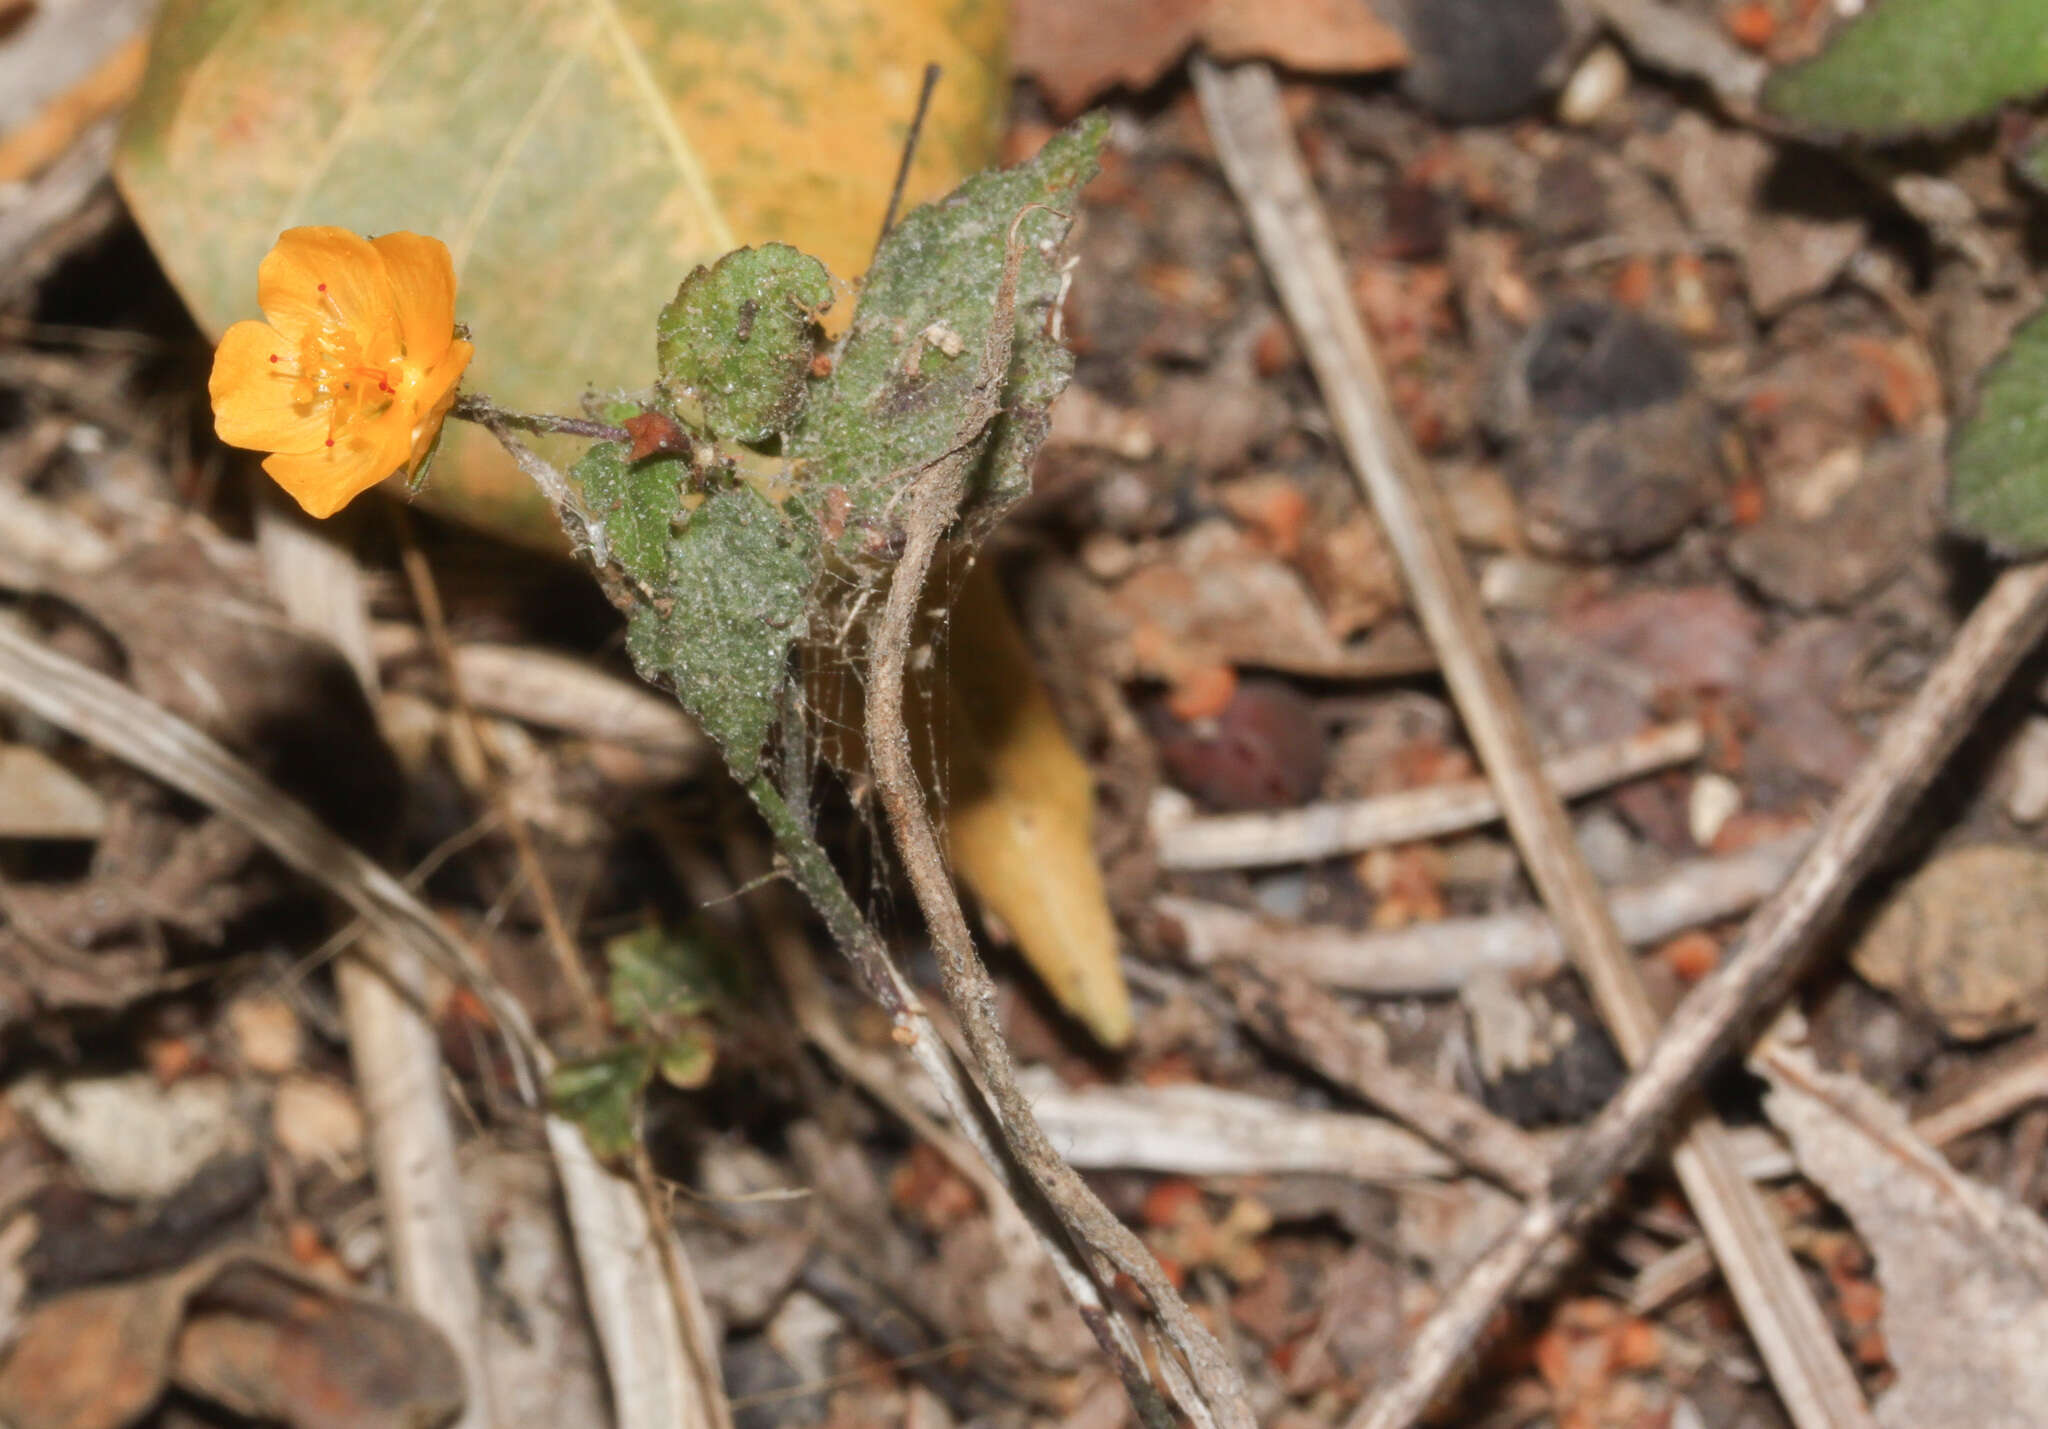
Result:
x=687 y=1059
x=638 y=504
x=1909 y=66
x=1998 y=464
x=656 y=975
x=719 y=626
x=738 y=339
x=902 y=377
x=601 y=1094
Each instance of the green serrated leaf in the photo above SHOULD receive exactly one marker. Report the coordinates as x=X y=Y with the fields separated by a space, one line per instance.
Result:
x=1910 y=66
x=738 y=338
x=638 y=504
x=1998 y=461
x=902 y=376
x=601 y=1094
x=720 y=623
x=656 y=974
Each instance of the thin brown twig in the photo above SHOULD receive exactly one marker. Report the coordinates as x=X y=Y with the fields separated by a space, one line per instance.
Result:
x=930 y=502
x=1914 y=747
x=540 y=889
x=1255 y=143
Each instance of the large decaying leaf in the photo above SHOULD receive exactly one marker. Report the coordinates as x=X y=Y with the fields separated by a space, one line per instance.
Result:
x=1909 y=66
x=578 y=156
x=1998 y=466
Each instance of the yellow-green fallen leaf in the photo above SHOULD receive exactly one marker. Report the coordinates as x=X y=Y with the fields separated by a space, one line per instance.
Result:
x=578 y=156
x=1020 y=813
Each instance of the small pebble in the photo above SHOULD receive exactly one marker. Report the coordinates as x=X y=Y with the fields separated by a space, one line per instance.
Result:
x=1600 y=79
x=1713 y=801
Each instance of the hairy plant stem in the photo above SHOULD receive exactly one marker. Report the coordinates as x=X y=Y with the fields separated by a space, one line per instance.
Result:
x=812 y=871
x=473 y=407
x=930 y=503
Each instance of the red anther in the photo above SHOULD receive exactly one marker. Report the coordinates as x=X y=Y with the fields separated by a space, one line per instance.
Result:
x=273 y=357
x=323 y=287
x=330 y=441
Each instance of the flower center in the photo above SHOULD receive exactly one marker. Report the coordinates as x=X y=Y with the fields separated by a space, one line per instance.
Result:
x=336 y=370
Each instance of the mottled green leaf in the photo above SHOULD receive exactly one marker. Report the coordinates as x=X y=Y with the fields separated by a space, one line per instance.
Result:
x=656 y=974
x=1910 y=66
x=737 y=339
x=720 y=624
x=637 y=504
x=601 y=1094
x=901 y=378
x=1998 y=465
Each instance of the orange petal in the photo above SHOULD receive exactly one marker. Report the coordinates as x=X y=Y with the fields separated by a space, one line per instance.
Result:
x=289 y=284
x=423 y=282
x=434 y=396
x=252 y=397
x=327 y=478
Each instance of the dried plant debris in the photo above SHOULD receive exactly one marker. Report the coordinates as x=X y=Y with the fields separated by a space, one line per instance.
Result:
x=1963 y=1270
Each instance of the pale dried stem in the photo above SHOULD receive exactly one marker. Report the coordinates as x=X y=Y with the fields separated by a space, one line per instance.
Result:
x=1427 y=959
x=1337 y=827
x=1242 y=107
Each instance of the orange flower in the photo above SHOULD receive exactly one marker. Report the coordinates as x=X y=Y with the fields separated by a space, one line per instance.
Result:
x=350 y=378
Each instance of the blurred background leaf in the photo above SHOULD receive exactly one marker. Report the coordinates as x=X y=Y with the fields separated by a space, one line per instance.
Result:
x=578 y=156
x=1909 y=66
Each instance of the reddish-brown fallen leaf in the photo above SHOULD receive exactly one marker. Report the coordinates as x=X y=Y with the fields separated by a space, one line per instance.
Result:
x=1076 y=52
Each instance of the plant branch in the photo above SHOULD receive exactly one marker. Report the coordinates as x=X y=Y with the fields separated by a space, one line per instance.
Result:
x=930 y=504
x=472 y=407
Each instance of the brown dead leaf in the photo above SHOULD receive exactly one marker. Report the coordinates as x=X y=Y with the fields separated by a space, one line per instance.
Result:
x=1076 y=52
x=258 y=1338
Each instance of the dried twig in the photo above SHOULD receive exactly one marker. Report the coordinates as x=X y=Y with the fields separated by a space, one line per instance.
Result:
x=929 y=503
x=1301 y=1022
x=1242 y=108
x=1915 y=745
x=1326 y=830
x=1441 y=957
x=649 y=1316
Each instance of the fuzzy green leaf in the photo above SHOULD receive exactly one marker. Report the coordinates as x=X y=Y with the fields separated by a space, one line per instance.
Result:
x=719 y=625
x=1911 y=66
x=601 y=1094
x=638 y=504
x=1998 y=465
x=902 y=377
x=737 y=339
x=655 y=975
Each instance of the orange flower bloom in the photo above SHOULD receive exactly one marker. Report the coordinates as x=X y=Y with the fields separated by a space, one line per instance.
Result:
x=350 y=378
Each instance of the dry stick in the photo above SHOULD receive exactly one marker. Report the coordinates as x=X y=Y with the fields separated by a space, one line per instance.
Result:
x=392 y=1043
x=1427 y=959
x=1242 y=108
x=1303 y=1022
x=930 y=502
x=609 y=1207
x=1325 y=830
x=1916 y=743
x=540 y=890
